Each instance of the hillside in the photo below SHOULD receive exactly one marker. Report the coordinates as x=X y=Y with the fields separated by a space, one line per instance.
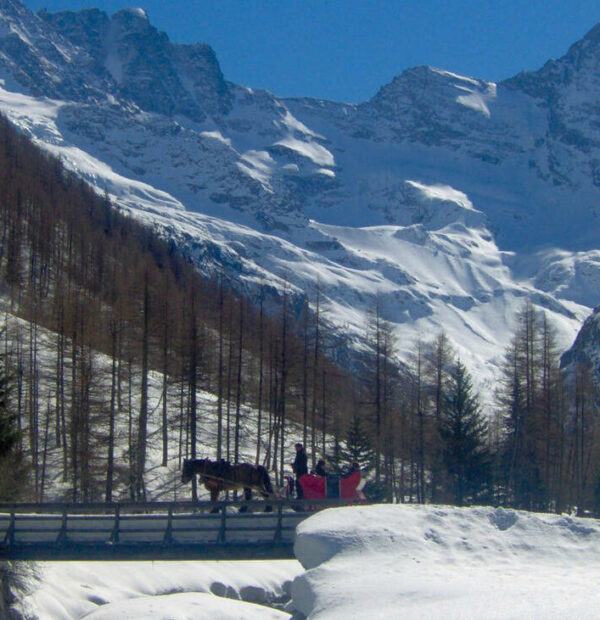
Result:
x=119 y=358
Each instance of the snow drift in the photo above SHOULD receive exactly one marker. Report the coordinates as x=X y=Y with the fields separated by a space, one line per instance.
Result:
x=445 y=562
x=174 y=590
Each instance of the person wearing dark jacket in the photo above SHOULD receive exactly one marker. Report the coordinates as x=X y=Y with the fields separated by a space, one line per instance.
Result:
x=320 y=468
x=300 y=467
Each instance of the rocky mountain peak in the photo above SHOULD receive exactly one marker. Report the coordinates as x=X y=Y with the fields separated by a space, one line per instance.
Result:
x=587 y=48
x=450 y=197
x=569 y=87
x=144 y=66
x=133 y=14
x=427 y=83
x=426 y=104
x=580 y=63
x=38 y=58
x=132 y=27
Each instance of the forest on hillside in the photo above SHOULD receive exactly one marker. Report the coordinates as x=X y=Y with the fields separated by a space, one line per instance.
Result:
x=102 y=313
x=90 y=285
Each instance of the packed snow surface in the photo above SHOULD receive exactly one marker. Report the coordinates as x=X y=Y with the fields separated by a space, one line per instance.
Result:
x=185 y=607
x=374 y=562
x=160 y=590
x=401 y=561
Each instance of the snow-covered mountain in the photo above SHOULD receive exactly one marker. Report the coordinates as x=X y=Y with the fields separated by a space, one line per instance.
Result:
x=450 y=198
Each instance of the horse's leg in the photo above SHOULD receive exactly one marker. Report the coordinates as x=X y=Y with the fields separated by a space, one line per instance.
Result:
x=265 y=496
x=214 y=496
x=247 y=498
x=263 y=485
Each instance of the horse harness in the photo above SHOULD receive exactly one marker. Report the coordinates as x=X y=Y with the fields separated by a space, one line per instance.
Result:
x=215 y=480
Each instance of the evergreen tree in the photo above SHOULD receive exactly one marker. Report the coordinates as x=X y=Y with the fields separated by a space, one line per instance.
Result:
x=463 y=430
x=9 y=435
x=438 y=362
x=11 y=461
x=357 y=447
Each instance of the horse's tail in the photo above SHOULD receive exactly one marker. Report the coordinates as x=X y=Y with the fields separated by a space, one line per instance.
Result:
x=265 y=479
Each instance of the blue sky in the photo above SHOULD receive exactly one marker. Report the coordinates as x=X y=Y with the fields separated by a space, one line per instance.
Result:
x=345 y=50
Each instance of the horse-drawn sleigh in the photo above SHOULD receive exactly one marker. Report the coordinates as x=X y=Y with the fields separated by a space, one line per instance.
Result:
x=332 y=486
x=220 y=475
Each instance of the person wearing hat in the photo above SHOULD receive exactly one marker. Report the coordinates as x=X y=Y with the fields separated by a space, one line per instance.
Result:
x=300 y=467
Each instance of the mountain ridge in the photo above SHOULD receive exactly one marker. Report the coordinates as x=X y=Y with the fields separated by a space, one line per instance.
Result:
x=451 y=199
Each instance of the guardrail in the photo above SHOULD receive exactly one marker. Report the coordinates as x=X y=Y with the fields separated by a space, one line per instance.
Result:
x=153 y=530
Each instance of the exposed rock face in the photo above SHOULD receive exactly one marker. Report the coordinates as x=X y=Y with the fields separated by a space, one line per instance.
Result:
x=87 y=55
x=39 y=59
x=141 y=64
x=586 y=348
x=568 y=91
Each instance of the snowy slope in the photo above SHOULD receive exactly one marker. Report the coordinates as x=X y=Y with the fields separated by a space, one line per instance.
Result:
x=452 y=199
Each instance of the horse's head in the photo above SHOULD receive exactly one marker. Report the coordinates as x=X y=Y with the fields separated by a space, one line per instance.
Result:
x=187 y=471
x=191 y=467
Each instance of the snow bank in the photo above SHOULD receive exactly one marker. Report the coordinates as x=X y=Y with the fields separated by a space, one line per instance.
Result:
x=442 y=562
x=177 y=590
x=185 y=607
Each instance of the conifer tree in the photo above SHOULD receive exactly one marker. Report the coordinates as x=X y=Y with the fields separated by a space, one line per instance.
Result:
x=463 y=430
x=438 y=357
x=11 y=459
x=8 y=431
x=357 y=447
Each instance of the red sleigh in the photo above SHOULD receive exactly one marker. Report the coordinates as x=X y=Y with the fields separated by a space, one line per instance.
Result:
x=332 y=486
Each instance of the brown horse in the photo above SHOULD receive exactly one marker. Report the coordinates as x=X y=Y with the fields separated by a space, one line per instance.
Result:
x=221 y=475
